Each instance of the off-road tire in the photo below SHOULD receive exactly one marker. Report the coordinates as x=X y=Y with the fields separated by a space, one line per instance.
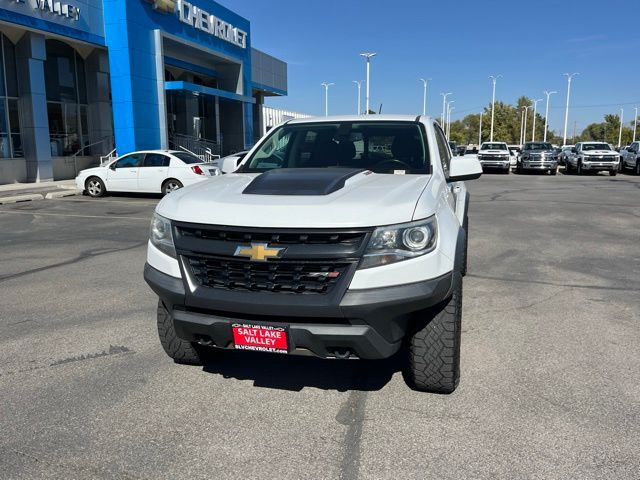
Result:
x=579 y=170
x=434 y=350
x=637 y=167
x=507 y=171
x=613 y=173
x=553 y=171
x=180 y=350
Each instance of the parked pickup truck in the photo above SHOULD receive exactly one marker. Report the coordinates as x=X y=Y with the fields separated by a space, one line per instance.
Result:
x=322 y=244
x=539 y=156
x=630 y=158
x=593 y=157
x=495 y=155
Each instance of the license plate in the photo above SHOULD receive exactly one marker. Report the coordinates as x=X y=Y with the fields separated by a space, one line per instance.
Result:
x=260 y=338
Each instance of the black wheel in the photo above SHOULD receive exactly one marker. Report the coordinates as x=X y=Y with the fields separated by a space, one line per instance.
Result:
x=180 y=350
x=519 y=169
x=621 y=166
x=507 y=171
x=567 y=168
x=434 y=349
x=553 y=171
x=613 y=173
x=94 y=187
x=580 y=171
x=637 y=167
x=171 y=185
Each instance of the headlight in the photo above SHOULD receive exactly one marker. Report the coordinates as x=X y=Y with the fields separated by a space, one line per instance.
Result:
x=161 y=236
x=395 y=243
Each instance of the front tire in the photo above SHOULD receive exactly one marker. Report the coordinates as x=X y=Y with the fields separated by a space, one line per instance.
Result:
x=613 y=173
x=94 y=187
x=171 y=185
x=180 y=350
x=434 y=350
x=580 y=171
x=637 y=167
x=553 y=171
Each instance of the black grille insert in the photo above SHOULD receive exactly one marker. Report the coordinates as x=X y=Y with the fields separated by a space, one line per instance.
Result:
x=296 y=277
x=282 y=237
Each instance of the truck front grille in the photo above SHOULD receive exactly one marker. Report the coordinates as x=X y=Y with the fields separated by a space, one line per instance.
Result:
x=294 y=277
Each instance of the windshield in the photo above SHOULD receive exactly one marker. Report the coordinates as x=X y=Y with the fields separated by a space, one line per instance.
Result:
x=595 y=146
x=383 y=147
x=494 y=146
x=187 y=157
x=538 y=146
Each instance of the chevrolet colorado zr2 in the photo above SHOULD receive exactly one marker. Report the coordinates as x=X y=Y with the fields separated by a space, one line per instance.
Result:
x=322 y=243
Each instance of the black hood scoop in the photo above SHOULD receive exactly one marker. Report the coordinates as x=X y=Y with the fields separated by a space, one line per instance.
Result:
x=301 y=181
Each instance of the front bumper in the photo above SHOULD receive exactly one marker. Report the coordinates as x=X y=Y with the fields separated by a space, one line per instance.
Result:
x=599 y=166
x=539 y=165
x=367 y=324
x=495 y=163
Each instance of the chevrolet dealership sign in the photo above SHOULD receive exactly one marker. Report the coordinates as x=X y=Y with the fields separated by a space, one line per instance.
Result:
x=202 y=20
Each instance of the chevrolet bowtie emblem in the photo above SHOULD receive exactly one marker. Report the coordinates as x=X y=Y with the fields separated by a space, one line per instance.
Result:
x=165 y=6
x=258 y=252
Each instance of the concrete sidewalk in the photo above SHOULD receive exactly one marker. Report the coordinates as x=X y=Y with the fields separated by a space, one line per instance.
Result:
x=21 y=192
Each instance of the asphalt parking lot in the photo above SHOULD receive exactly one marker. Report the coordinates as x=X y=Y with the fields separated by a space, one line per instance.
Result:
x=550 y=383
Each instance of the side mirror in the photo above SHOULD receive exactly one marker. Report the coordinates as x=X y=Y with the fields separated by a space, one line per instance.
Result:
x=466 y=168
x=113 y=166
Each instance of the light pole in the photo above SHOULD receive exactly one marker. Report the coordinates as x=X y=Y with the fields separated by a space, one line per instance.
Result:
x=521 y=125
x=359 y=84
x=367 y=56
x=566 y=110
x=447 y=118
x=449 y=110
x=425 y=83
x=444 y=103
x=326 y=97
x=546 y=113
x=621 y=123
x=480 y=130
x=526 y=114
x=494 y=79
x=535 y=109
x=635 y=124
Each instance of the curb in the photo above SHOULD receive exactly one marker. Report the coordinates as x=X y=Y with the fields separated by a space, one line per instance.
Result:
x=21 y=198
x=65 y=193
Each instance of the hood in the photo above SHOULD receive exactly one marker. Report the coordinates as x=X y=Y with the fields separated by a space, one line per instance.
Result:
x=494 y=152
x=89 y=171
x=364 y=199
x=600 y=152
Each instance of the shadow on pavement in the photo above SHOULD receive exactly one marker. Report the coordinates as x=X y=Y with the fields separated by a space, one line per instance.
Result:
x=295 y=372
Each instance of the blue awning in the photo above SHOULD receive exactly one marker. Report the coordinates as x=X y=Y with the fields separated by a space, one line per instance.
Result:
x=202 y=90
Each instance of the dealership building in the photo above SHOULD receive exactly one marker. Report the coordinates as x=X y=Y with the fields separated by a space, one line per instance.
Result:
x=82 y=78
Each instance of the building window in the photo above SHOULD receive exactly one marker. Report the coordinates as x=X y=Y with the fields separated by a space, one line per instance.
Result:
x=10 y=139
x=66 y=99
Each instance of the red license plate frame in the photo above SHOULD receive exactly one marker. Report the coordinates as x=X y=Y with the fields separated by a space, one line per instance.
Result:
x=261 y=337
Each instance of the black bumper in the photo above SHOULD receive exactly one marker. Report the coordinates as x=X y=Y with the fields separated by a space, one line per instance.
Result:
x=366 y=323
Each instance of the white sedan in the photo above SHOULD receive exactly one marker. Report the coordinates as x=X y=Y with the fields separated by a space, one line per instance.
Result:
x=149 y=171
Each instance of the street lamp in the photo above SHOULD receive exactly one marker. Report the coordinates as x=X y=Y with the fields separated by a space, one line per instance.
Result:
x=448 y=117
x=546 y=113
x=535 y=109
x=635 y=124
x=566 y=111
x=368 y=57
x=450 y=109
x=524 y=130
x=621 y=122
x=444 y=103
x=494 y=79
x=480 y=130
x=425 y=83
x=326 y=97
x=359 y=84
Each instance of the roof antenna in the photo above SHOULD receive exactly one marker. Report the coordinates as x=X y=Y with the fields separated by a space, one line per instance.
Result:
x=380 y=109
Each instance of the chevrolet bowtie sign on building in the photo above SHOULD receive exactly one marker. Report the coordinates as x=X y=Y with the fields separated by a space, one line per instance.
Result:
x=202 y=20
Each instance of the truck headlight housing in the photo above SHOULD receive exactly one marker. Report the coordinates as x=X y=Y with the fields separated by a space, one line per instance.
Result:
x=161 y=236
x=395 y=243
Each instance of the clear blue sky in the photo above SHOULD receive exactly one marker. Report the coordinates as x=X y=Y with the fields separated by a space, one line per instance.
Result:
x=457 y=44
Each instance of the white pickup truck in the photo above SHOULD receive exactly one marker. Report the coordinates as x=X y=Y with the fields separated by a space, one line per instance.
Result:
x=593 y=157
x=324 y=244
x=495 y=155
x=630 y=158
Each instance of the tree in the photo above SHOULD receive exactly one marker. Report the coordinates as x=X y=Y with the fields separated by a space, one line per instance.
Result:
x=607 y=131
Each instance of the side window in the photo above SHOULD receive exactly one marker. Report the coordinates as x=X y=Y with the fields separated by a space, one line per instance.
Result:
x=156 y=160
x=443 y=149
x=130 y=161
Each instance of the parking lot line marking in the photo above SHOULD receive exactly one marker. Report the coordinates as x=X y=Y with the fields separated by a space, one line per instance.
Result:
x=146 y=219
x=92 y=200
